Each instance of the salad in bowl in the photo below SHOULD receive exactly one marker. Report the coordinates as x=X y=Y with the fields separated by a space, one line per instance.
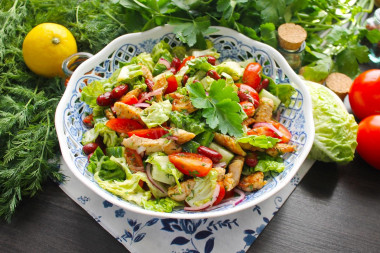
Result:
x=176 y=130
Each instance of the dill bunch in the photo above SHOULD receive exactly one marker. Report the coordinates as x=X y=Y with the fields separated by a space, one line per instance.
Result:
x=30 y=150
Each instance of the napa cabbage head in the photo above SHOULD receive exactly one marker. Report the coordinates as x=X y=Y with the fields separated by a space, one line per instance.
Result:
x=335 y=128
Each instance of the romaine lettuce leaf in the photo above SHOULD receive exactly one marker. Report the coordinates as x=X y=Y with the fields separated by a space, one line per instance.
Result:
x=110 y=137
x=91 y=92
x=143 y=58
x=335 y=128
x=161 y=205
x=159 y=49
x=156 y=114
x=231 y=68
x=191 y=122
x=129 y=72
x=283 y=91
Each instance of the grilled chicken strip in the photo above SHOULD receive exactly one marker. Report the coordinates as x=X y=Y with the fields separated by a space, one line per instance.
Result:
x=265 y=110
x=280 y=148
x=235 y=168
x=152 y=146
x=160 y=82
x=230 y=143
x=180 y=195
x=182 y=135
x=125 y=111
x=252 y=182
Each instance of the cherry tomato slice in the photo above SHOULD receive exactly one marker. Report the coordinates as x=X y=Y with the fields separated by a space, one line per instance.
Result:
x=191 y=164
x=262 y=131
x=247 y=93
x=88 y=120
x=129 y=99
x=252 y=75
x=248 y=108
x=172 y=84
x=185 y=60
x=153 y=133
x=221 y=195
x=123 y=125
x=285 y=138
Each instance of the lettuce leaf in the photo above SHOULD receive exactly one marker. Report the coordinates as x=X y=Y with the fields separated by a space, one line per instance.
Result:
x=110 y=138
x=203 y=189
x=156 y=114
x=161 y=205
x=91 y=92
x=191 y=122
x=260 y=141
x=335 y=128
x=163 y=170
x=283 y=91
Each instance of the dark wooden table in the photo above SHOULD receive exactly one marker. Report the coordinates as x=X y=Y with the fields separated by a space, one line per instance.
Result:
x=335 y=208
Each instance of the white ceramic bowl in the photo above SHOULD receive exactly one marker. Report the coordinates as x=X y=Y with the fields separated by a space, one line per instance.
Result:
x=231 y=44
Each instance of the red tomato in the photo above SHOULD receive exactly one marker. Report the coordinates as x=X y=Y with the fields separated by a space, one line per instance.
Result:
x=185 y=60
x=153 y=133
x=129 y=99
x=221 y=195
x=191 y=164
x=248 y=108
x=364 y=94
x=123 y=125
x=172 y=84
x=285 y=138
x=88 y=120
x=252 y=75
x=262 y=131
x=368 y=139
x=247 y=93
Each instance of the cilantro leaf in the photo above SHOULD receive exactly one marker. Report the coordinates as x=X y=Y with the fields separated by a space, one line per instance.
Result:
x=220 y=107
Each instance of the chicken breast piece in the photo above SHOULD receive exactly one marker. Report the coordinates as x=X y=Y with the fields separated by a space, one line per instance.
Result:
x=234 y=169
x=182 y=135
x=160 y=82
x=252 y=182
x=265 y=110
x=280 y=148
x=180 y=195
x=125 y=111
x=182 y=103
x=152 y=146
x=146 y=72
x=221 y=173
x=229 y=143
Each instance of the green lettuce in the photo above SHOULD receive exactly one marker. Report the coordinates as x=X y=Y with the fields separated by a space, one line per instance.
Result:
x=163 y=170
x=283 y=91
x=110 y=138
x=203 y=189
x=161 y=205
x=91 y=92
x=129 y=73
x=156 y=114
x=231 y=68
x=191 y=122
x=260 y=141
x=335 y=128
x=144 y=59
x=160 y=49
x=199 y=63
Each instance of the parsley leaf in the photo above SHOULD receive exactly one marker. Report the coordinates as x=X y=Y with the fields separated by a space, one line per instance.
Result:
x=221 y=107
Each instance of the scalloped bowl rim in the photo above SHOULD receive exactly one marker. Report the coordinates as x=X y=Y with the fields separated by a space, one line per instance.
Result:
x=107 y=50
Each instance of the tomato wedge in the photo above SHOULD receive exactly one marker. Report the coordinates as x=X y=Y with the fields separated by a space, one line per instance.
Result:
x=184 y=61
x=153 y=133
x=247 y=93
x=123 y=125
x=248 y=108
x=262 y=131
x=191 y=164
x=133 y=159
x=129 y=99
x=172 y=84
x=252 y=75
x=88 y=120
x=221 y=195
x=286 y=135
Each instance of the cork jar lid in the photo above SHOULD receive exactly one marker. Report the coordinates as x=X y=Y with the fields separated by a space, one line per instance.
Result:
x=339 y=83
x=291 y=36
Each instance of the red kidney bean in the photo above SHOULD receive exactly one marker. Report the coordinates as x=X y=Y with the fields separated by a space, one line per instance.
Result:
x=90 y=148
x=184 y=79
x=214 y=155
x=104 y=99
x=264 y=84
x=251 y=160
x=119 y=91
x=149 y=83
x=176 y=62
x=211 y=59
x=213 y=74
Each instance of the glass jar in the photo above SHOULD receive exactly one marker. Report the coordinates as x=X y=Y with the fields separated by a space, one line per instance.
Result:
x=71 y=63
x=374 y=48
x=294 y=57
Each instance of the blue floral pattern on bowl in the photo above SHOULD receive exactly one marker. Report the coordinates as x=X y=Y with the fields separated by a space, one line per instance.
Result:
x=297 y=117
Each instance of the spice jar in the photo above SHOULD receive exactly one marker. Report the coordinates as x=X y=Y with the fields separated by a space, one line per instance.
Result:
x=374 y=48
x=71 y=63
x=291 y=38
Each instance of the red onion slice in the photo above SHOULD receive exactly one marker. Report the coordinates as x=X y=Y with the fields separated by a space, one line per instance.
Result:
x=141 y=105
x=164 y=62
x=205 y=205
x=174 y=138
x=241 y=196
x=220 y=165
x=150 y=94
x=148 y=168
x=270 y=126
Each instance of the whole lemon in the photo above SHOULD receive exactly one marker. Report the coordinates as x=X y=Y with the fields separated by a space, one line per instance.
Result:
x=46 y=46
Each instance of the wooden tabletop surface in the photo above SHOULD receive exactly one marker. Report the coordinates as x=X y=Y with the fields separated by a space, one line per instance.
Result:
x=335 y=208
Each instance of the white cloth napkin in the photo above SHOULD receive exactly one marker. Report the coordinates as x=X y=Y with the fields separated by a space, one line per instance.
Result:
x=138 y=233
